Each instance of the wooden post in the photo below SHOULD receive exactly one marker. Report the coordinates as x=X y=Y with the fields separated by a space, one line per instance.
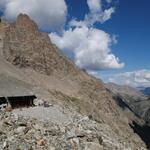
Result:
x=9 y=107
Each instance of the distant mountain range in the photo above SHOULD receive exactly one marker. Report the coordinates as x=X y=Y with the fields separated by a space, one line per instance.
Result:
x=132 y=98
x=144 y=90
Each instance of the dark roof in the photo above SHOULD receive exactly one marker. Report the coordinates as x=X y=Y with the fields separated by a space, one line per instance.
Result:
x=10 y=86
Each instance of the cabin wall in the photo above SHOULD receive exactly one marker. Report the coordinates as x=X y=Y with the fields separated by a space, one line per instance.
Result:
x=18 y=102
x=3 y=103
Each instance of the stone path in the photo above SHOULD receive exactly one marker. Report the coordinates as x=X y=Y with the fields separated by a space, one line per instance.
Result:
x=52 y=113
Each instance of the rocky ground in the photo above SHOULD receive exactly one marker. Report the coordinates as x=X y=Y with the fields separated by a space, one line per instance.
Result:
x=24 y=132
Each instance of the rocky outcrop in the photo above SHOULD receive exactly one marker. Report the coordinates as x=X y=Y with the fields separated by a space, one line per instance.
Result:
x=25 y=46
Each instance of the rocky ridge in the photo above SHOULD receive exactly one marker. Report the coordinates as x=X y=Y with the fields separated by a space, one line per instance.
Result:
x=132 y=98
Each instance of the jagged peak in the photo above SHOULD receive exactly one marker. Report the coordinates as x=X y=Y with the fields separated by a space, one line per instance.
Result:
x=24 y=21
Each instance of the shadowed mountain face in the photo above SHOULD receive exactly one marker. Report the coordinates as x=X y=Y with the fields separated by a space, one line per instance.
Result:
x=32 y=58
x=135 y=101
x=143 y=132
x=146 y=91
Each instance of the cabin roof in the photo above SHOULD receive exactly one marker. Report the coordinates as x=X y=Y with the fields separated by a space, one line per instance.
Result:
x=12 y=87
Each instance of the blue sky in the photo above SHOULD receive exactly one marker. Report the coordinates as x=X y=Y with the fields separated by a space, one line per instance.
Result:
x=85 y=29
x=131 y=24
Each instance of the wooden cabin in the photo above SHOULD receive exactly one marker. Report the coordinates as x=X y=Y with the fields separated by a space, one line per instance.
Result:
x=15 y=93
x=17 y=101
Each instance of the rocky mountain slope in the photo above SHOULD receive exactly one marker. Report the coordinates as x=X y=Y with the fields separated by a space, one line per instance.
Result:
x=125 y=90
x=33 y=59
x=134 y=99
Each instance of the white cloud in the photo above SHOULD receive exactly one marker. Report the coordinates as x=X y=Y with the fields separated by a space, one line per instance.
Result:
x=109 y=1
x=90 y=47
x=49 y=14
x=134 y=78
x=96 y=14
x=94 y=5
x=107 y=14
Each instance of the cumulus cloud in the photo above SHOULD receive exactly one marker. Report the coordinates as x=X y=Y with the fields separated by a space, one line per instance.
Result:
x=49 y=14
x=94 y=5
x=89 y=46
x=96 y=14
x=135 y=78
